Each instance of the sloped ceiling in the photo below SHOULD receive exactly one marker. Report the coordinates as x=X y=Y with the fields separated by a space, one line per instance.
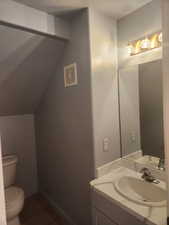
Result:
x=27 y=61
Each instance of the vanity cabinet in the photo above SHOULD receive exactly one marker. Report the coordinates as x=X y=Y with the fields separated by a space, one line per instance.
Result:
x=100 y=219
x=106 y=212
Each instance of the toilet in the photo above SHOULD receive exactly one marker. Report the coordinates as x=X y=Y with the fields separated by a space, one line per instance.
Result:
x=14 y=196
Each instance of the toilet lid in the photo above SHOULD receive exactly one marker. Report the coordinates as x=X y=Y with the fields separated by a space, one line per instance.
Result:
x=13 y=196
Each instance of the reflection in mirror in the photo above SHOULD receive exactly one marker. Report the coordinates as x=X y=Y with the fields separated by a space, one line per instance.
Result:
x=141 y=110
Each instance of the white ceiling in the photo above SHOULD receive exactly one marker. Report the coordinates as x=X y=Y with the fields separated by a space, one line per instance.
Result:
x=115 y=8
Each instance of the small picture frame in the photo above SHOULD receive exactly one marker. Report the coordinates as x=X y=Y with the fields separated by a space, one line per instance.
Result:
x=70 y=75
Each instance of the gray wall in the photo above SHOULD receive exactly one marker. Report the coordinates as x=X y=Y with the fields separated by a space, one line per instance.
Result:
x=151 y=108
x=136 y=25
x=103 y=38
x=18 y=137
x=129 y=109
x=64 y=131
x=27 y=61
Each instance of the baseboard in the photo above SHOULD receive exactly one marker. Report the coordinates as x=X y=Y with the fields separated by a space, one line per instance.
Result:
x=68 y=220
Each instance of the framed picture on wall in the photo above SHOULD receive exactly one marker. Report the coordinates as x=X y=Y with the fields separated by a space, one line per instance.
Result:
x=70 y=75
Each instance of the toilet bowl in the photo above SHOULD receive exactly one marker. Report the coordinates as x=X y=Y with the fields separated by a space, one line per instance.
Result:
x=14 y=196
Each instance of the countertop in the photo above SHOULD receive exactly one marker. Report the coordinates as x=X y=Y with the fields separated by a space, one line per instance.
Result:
x=104 y=185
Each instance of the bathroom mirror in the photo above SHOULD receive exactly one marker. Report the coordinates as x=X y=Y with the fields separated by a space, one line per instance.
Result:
x=141 y=109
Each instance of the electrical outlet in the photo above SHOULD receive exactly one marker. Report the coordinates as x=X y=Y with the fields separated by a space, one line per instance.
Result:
x=132 y=137
x=106 y=143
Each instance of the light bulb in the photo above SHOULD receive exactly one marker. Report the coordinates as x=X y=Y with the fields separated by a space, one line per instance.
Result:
x=160 y=37
x=145 y=44
x=154 y=41
x=130 y=49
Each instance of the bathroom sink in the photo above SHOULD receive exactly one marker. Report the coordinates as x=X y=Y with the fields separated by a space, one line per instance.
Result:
x=141 y=192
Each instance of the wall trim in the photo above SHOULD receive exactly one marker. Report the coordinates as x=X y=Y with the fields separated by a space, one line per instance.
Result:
x=58 y=208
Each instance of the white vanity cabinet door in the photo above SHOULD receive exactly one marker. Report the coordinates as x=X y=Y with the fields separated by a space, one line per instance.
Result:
x=100 y=219
x=115 y=214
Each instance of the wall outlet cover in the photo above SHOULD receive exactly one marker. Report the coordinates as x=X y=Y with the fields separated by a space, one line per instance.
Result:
x=106 y=143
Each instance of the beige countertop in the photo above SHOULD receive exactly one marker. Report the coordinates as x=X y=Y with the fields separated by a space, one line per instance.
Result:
x=104 y=185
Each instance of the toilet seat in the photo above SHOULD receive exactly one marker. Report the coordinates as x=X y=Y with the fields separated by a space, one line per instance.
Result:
x=14 y=197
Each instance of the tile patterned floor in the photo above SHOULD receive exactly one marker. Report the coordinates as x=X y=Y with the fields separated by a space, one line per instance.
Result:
x=37 y=211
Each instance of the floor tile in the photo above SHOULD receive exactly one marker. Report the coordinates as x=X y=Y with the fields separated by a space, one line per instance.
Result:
x=38 y=211
x=41 y=219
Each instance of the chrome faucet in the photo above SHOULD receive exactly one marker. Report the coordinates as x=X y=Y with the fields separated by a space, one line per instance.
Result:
x=161 y=164
x=148 y=177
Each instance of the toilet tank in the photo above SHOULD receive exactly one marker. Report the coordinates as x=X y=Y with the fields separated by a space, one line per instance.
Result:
x=9 y=169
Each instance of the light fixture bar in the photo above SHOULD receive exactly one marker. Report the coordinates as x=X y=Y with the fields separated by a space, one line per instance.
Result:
x=145 y=44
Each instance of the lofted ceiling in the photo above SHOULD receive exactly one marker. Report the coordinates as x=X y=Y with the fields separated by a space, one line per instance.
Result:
x=114 y=8
x=27 y=61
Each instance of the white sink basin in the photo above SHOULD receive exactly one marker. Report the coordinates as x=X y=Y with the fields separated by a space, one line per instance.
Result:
x=141 y=192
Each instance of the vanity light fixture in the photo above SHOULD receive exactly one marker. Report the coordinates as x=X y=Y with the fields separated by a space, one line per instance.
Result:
x=145 y=44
